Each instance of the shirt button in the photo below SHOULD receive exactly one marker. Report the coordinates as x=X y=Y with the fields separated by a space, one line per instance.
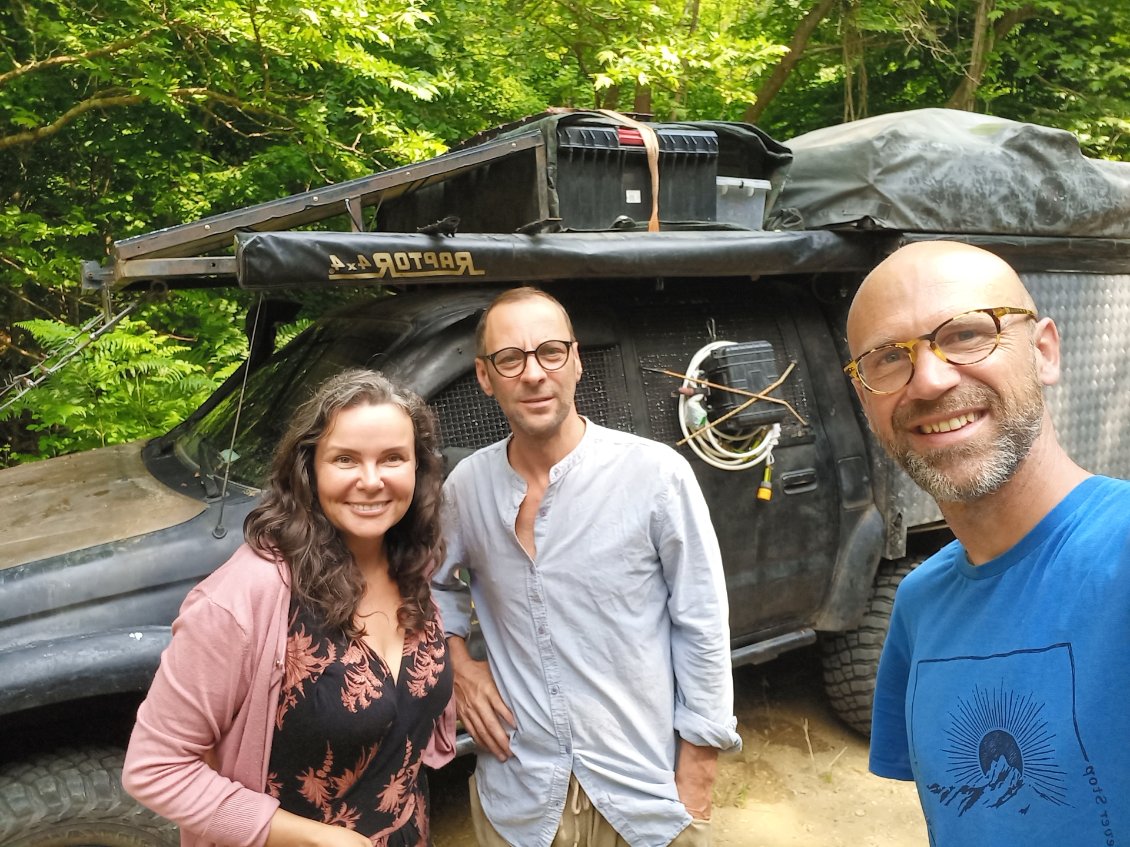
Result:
x=543 y=512
x=541 y=630
x=553 y=690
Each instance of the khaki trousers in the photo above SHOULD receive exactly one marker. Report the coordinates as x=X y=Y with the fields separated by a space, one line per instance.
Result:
x=581 y=825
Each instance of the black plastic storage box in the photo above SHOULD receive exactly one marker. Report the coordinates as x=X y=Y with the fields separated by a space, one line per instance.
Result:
x=747 y=366
x=602 y=175
x=580 y=171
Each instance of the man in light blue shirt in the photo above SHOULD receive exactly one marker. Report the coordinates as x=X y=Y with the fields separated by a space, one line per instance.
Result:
x=598 y=586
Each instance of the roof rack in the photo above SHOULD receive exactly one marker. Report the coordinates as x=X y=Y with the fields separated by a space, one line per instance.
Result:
x=199 y=253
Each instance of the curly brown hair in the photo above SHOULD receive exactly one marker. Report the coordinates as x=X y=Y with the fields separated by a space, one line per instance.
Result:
x=289 y=522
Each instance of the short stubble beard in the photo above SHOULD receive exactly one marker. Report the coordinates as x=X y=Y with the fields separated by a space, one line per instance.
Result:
x=1020 y=420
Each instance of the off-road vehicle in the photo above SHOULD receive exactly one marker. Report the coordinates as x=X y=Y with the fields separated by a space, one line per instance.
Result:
x=686 y=305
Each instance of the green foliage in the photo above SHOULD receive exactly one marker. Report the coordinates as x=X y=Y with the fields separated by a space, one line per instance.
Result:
x=124 y=116
x=1061 y=63
x=126 y=385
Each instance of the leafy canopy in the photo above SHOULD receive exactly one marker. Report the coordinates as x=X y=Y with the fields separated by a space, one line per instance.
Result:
x=119 y=117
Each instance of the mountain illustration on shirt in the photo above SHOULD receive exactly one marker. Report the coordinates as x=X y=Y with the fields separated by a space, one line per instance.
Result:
x=998 y=735
x=994 y=766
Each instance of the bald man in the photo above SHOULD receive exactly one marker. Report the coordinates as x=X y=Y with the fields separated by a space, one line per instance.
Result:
x=1004 y=685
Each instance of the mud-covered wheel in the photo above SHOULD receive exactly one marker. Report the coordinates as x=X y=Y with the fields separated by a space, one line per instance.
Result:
x=851 y=659
x=74 y=798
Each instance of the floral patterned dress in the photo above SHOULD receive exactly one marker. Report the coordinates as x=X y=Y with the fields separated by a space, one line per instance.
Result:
x=348 y=737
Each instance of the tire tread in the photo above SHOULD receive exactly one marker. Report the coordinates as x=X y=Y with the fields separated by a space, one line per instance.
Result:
x=851 y=659
x=75 y=796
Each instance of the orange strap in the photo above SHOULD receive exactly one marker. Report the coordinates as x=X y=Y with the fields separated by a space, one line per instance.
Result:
x=651 y=145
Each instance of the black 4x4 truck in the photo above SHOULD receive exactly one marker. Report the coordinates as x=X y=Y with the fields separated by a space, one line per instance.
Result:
x=703 y=250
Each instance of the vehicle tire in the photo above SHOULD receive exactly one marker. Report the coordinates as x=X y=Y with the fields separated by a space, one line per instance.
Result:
x=68 y=798
x=851 y=658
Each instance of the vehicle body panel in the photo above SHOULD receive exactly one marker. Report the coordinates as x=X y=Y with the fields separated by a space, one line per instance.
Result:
x=82 y=500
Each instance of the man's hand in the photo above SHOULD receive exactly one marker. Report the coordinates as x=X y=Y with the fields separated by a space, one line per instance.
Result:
x=695 y=769
x=478 y=703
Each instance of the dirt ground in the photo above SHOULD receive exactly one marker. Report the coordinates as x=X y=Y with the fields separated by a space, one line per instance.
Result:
x=800 y=781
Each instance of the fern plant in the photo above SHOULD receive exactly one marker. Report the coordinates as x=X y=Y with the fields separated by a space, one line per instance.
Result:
x=131 y=383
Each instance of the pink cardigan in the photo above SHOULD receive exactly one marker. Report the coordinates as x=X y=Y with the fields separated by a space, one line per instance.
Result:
x=202 y=742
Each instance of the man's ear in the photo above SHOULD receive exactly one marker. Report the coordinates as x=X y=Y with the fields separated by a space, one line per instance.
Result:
x=483 y=377
x=1045 y=341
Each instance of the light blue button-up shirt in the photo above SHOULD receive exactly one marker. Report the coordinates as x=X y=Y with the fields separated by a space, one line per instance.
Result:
x=608 y=644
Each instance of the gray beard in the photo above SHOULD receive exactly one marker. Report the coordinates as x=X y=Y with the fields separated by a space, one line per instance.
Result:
x=1007 y=453
x=1021 y=422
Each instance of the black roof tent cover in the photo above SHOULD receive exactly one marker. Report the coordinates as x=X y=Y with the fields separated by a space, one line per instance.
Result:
x=940 y=170
x=311 y=259
x=279 y=260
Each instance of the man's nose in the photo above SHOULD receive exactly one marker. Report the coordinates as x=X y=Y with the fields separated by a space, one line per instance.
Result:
x=533 y=371
x=933 y=375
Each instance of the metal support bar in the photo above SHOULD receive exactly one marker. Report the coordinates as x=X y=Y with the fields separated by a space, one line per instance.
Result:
x=166 y=269
x=311 y=206
x=353 y=207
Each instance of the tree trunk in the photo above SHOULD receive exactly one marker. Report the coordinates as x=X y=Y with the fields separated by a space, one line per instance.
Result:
x=985 y=38
x=642 y=103
x=781 y=71
x=851 y=48
x=610 y=99
x=966 y=93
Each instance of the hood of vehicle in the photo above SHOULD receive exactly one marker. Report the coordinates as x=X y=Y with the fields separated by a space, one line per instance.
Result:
x=61 y=505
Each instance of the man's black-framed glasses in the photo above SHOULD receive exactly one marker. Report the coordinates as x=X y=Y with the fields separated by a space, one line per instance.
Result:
x=964 y=339
x=511 y=361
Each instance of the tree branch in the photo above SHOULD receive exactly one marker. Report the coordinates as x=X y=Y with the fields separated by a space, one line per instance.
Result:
x=110 y=100
x=98 y=101
x=55 y=61
x=985 y=38
x=7 y=344
x=19 y=295
x=965 y=95
x=783 y=68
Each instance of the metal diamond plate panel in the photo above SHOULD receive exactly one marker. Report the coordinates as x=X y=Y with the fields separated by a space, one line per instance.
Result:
x=1091 y=403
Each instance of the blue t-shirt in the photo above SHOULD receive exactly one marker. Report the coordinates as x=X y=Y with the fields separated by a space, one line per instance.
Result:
x=1004 y=689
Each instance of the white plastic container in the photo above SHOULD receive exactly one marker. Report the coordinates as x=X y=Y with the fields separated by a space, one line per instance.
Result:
x=742 y=201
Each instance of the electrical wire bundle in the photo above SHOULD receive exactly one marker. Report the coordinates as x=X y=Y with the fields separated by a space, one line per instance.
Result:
x=729 y=452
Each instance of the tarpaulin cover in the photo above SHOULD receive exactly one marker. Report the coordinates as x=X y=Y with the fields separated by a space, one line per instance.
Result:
x=941 y=170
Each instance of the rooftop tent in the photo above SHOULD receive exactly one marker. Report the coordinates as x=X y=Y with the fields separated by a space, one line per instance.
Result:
x=567 y=170
x=941 y=170
x=273 y=260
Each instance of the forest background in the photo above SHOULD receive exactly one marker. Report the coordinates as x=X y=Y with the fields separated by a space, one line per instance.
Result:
x=118 y=117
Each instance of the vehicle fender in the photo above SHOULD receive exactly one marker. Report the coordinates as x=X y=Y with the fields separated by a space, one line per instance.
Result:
x=58 y=671
x=861 y=547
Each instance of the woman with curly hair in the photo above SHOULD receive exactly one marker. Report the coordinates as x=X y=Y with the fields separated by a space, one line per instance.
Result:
x=307 y=680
